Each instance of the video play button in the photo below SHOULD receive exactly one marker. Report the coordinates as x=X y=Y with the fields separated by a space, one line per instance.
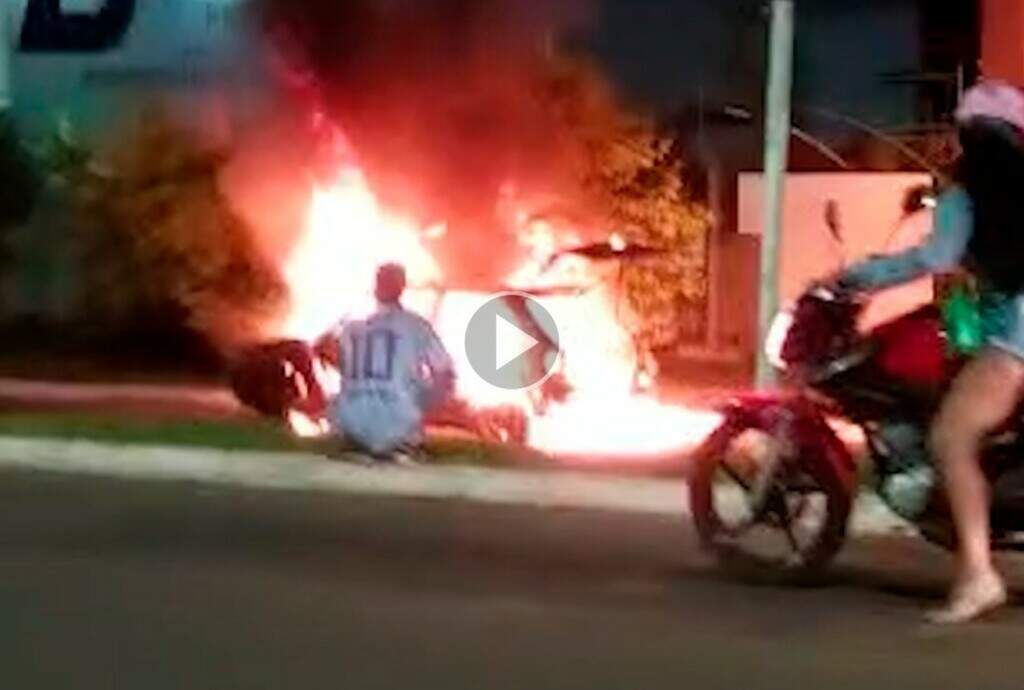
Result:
x=512 y=341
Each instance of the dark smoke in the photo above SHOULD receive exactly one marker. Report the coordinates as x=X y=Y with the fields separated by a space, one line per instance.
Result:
x=443 y=101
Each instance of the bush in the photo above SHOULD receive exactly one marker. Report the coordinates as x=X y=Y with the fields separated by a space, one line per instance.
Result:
x=633 y=177
x=157 y=239
x=20 y=186
x=21 y=183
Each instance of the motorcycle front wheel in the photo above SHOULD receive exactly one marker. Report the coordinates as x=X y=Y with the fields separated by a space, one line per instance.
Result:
x=765 y=511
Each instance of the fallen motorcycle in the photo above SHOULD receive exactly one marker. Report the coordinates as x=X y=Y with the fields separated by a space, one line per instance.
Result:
x=279 y=378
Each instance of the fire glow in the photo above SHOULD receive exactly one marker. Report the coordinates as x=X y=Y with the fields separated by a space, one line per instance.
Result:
x=330 y=275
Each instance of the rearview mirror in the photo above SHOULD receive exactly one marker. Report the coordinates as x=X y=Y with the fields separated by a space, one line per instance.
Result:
x=833 y=221
x=917 y=198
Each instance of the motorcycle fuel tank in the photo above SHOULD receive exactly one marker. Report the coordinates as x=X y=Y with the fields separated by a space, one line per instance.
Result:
x=913 y=350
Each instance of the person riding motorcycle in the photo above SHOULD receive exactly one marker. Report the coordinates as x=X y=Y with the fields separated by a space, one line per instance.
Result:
x=975 y=227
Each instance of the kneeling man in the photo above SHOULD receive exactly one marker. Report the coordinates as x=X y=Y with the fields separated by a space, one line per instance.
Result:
x=394 y=371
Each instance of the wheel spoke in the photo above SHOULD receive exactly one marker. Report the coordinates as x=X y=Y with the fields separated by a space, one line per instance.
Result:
x=803 y=504
x=782 y=511
x=735 y=477
x=791 y=539
x=794 y=544
x=742 y=528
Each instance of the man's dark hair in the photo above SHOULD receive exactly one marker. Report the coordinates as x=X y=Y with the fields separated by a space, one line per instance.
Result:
x=390 y=283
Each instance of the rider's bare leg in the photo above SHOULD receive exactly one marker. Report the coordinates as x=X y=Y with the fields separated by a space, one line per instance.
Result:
x=984 y=394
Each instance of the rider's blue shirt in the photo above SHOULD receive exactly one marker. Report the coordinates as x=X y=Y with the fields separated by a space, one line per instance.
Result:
x=943 y=250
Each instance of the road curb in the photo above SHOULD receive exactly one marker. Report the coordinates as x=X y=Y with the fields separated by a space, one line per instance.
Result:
x=308 y=472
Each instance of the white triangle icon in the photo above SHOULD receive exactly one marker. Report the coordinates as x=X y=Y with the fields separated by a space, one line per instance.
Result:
x=510 y=341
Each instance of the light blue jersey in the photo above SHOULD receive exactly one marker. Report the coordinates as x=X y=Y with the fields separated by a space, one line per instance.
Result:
x=389 y=362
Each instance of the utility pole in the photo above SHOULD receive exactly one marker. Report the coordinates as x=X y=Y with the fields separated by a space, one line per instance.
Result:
x=776 y=158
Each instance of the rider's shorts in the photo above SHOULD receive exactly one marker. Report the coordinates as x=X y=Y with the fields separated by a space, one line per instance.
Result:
x=1008 y=334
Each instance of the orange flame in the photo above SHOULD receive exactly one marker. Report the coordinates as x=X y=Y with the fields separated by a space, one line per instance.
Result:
x=347 y=236
x=304 y=426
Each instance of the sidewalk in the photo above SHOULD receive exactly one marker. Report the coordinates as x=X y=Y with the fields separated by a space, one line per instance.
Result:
x=548 y=488
x=151 y=399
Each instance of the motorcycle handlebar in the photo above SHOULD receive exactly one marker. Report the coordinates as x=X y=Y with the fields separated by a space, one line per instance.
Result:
x=833 y=292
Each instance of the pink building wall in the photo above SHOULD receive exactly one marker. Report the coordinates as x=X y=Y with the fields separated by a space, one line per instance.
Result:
x=870 y=210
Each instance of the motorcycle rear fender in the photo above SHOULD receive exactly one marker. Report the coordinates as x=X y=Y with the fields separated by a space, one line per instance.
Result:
x=796 y=418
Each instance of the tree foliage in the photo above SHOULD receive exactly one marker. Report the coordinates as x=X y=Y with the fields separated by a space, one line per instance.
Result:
x=632 y=176
x=21 y=182
x=20 y=186
x=156 y=236
x=647 y=201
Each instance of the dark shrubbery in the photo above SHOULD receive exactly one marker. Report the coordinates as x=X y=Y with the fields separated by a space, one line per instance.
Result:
x=161 y=249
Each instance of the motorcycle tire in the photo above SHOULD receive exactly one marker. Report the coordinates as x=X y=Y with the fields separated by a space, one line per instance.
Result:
x=829 y=479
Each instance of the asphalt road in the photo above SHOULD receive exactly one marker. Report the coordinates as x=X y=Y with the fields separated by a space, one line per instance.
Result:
x=148 y=586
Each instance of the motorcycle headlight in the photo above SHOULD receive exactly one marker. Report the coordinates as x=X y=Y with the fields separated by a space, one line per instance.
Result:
x=776 y=338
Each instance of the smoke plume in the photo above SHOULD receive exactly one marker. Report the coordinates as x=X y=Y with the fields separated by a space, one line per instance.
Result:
x=446 y=103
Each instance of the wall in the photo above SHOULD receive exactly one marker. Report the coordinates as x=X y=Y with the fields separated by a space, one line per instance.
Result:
x=1002 y=38
x=870 y=205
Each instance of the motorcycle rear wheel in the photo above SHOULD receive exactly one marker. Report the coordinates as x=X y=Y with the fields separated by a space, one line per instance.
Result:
x=805 y=506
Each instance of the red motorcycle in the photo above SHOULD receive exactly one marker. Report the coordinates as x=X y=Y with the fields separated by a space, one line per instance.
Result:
x=773 y=486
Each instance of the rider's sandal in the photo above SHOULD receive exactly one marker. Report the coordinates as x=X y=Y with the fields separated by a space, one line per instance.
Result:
x=970 y=602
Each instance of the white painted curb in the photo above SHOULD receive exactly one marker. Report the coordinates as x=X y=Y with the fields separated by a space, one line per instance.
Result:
x=302 y=471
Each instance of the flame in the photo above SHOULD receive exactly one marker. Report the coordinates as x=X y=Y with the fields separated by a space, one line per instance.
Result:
x=623 y=425
x=304 y=426
x=330 y=273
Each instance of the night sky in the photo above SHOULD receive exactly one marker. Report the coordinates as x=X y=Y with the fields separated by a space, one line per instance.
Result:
x=666 y=53
x=662 y=54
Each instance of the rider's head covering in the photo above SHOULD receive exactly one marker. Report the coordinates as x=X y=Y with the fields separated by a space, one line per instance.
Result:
x=992 y=100
x=390 y=283
x=990 y=119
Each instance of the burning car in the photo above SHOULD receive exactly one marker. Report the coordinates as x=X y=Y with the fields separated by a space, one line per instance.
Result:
x=591 y=406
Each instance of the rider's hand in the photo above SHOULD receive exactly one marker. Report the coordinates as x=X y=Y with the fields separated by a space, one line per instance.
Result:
x=829 y=282
x=839 y=283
